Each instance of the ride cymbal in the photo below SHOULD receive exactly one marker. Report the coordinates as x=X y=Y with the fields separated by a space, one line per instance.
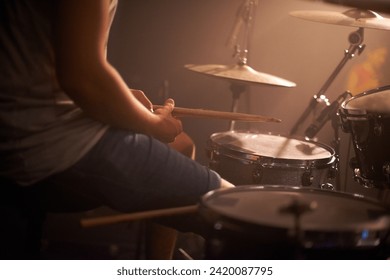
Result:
x=352 y=17
x=240 y=73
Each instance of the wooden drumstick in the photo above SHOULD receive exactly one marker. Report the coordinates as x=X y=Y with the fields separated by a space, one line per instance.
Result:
x=120 y=218
x=202 y=113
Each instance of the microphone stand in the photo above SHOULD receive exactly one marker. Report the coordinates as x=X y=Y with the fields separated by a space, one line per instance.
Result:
x=355 y=39
x=330 y=113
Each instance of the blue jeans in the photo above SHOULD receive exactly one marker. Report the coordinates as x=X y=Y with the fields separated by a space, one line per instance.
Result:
x=129 y=172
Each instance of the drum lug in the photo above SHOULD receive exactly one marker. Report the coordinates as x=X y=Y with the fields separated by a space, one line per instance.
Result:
x=327 y=186
x=307 y=177
x=333 y=171
x=378 y=128
x=257 y=173
x=362 y=181
x=213 y=164
x=386 y=171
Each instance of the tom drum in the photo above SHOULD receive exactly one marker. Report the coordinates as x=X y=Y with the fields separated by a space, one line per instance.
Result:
x=366 y=117
x=280 y=222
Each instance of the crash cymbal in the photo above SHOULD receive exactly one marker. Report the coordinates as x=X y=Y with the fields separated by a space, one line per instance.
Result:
x=352 y=17
x=382 y=6
x=239 y=73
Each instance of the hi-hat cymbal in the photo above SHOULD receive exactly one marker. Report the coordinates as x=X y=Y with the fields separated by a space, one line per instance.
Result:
x=353 y=17
x=240 y=73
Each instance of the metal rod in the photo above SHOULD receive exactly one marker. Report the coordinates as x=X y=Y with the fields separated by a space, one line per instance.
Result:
x=356 y=40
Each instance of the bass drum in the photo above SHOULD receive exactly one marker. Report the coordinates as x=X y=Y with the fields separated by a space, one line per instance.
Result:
x=279 y=222
x=367 y=118
x=246 y=158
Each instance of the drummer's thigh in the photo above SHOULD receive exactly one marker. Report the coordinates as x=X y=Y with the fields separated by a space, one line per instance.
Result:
x=132 y=172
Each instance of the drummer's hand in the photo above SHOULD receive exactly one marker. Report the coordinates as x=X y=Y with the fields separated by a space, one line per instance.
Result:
x=169 y=127
x=141 y=97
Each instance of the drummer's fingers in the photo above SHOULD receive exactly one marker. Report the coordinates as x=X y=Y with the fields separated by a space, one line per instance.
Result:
x=169 y=104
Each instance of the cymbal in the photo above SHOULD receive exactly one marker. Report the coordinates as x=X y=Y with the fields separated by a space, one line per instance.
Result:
x=239 y=73
x=352 y=17
x=382 y=6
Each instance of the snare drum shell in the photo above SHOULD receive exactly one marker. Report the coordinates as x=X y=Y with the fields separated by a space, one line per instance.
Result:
x=242 y=167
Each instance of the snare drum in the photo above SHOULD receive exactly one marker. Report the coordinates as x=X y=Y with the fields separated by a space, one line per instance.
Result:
x=367 y=117
x=246 y=158
x=280 y=222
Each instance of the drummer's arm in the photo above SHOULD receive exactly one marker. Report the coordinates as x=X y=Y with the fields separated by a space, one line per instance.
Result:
x=92 y=82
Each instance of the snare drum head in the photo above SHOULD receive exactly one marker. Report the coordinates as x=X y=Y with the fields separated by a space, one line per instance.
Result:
x=273 y=146
x=269 y=207
x=373 y=101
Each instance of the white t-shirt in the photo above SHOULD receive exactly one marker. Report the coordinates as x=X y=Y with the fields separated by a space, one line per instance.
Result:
x=41 y=130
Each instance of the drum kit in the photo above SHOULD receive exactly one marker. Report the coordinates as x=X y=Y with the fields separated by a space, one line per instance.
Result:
x=287 y=203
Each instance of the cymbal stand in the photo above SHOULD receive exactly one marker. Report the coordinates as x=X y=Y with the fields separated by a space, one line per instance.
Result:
x=355 y=39
x=245 y=15
x=236 y=89
x=297 y=209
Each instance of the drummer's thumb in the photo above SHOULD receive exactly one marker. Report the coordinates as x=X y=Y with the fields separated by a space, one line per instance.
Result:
x=170 y=103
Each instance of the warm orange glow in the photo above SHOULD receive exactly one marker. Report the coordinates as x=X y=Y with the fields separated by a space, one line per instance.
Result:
x=367 y=74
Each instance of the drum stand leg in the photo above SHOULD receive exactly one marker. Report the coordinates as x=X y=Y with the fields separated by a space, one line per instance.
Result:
x=356 y=40
x=336 y=145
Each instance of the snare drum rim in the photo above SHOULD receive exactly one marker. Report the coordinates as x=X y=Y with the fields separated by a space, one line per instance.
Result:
x=218 y=150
